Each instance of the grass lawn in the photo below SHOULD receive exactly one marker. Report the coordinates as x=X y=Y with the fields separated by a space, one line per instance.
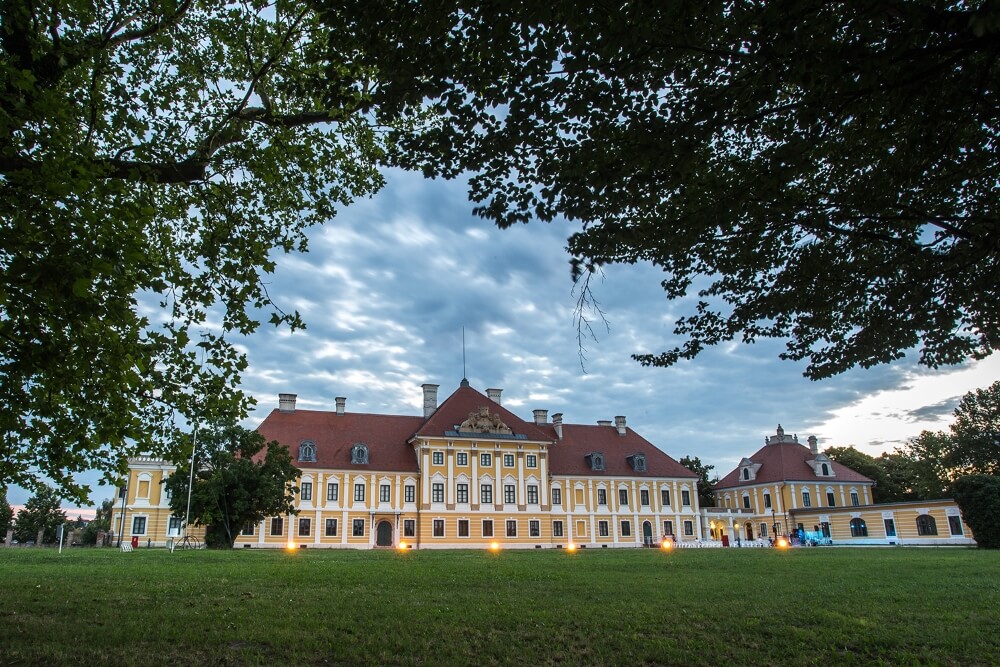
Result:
x=631 y=606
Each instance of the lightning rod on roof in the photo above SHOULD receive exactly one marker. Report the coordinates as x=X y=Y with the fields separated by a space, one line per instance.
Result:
x=464 y=374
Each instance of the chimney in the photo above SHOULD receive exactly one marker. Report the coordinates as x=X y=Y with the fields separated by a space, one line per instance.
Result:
x=604 y=422
x=620 y=424
x=341 y=404
x=494 y=395
x=813 y=445
x=286 y=402
x=541 y=416
x=557 y=423
x=430 y=399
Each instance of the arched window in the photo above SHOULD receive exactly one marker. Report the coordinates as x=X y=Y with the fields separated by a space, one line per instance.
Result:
x=307 y=451
x=859 y=528
x=826 y=470
x=746 y=473
x=359 y=454
x=926 y=525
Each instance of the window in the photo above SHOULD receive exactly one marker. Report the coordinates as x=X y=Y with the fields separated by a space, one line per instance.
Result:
x=462 y=459
x=855 y=501
x=306 y=491
x=689 y=527
x=331 y=527
x=532 y=494
x=668 y=527
x=859 y=528
x=623 y=496
x=277 y=526
x=638 y=462
x=462 y=493
x=409 y=493
x=644 y=497
x=557 y=529
x=626 y=528
x=383 y=493
x=307 y=451
x=485 y=460
x=955 y=525
x=665 y=497
x=685 y=498
x=534 y=528
x=305 y=527
x=437 y=492
x=806 y=499
x=763 y=530
x=248 y=529
x=746 y=473
x=557 y=496
x=767 y=500
x=926 y=525
x=830 y=500
x=531 y=461
x=746 y=502
x=487 y=527
x=332 y=491
x=358 y=529
x=486 y=493
x=359 y=492
x=438 y=527
x=463 y=527
x=437 y=458
x=511 y=527
x=174 y=526
x=409 y=528
x=509 y=494
x=596 y=460
x=826 y=470
x=602 y=497
x=602 y=528
x=359 y=454
x=138 y=525
x=508 y=460
x=890 y=527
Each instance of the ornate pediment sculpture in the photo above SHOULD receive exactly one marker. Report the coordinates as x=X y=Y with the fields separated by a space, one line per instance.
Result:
x=481 y=421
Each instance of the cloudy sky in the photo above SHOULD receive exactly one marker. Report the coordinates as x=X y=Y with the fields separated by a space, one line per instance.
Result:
x=389 y=284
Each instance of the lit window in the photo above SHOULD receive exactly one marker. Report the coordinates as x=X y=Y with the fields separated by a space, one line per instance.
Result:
x=532 y=494
x=511 y=528
x=508 y=460
x=332 y=491
x=138 y=525
x=358 y=529
x=557 y=529
x=509 y=494
x=384 y=493
x=359 y=492
x=462 y=493
x=409 y=493
x=437 y=492
x=531 y=461
x=557 y=496
x=462 y=459
x=487 y=527
x=644 y=497
x=437 y=458
x=926 y=525
x=486 y=493
x=534 y=528
x=277 y=526
x=463 y=527
x=305 y=526
x=626 y=528
x=438 y=527
x=485 y=460
x=306 y=491
x=859 y=528
x=331 y=527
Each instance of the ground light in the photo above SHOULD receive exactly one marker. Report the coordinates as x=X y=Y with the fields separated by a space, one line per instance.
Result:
x=782 y=542
x=290 y=546
x=494 y=547
x=402 y=546
x=571 y=547
x=667 y=545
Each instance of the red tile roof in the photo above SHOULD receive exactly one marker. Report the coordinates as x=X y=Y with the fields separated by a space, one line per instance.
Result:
x=786 y=462
x=568 y=456
x=334 y=435
x=466 y=400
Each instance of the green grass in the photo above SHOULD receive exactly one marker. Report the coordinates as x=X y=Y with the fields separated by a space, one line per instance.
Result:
x=690 y=607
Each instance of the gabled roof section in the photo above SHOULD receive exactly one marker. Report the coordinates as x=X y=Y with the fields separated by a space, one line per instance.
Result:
x=786 y=462
x=569 y=455
x=334 y=436
x=465 y=406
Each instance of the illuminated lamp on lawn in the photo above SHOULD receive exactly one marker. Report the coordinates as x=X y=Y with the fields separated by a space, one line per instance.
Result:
x=782 y=542
x=667 y=544
x=494 y=547
x=290 y=546
x=571 y=547
x=402 y=546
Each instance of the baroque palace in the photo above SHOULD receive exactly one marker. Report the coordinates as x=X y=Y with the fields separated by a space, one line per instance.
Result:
x=470 y=473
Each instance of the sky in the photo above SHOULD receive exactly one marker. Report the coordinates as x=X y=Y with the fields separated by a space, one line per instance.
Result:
x=388 y=285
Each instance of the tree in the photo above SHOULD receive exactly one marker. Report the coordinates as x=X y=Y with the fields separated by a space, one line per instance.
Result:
x=240 y=479
x=6 y=514
x=101 y=522
x=153 y=158
x=886 y=489
x=976 y=432
x=41 y=512
x=822 y=174
x=979 y=498
x=694 y=464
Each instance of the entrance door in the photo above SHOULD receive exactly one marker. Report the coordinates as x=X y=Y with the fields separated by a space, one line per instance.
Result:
x=647 y=532
x=749 y=531
x=383 y=534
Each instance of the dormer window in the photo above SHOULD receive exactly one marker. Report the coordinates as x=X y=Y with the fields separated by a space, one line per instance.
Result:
x=746 y=473
x=826 y=470
x=822 y=466
x=638 y=462
x=359 y=454
x=596 y=460
x=307 y=451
